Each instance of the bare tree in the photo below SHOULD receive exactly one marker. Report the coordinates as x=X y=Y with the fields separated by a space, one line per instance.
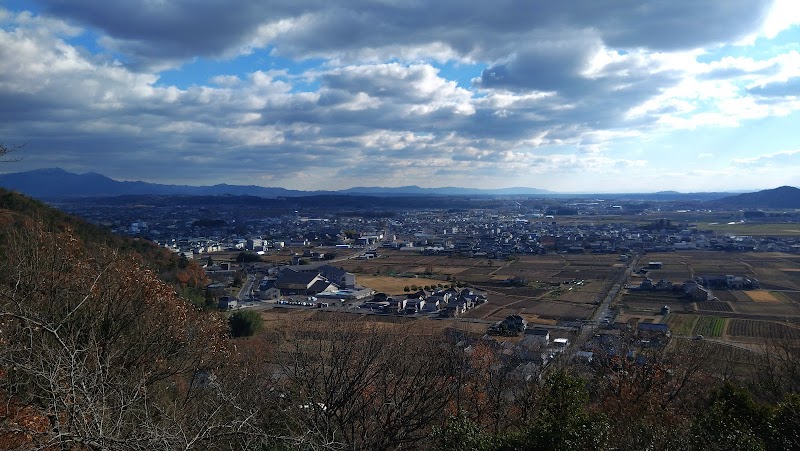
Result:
x=350 y=385
x=4 y=151
x=778 y=364
x=99 y=354
x=647 y=398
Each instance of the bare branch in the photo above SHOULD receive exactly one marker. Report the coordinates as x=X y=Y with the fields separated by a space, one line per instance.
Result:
x=4 y=151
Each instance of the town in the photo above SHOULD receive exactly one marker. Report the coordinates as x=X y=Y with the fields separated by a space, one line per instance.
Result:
x=544 y=279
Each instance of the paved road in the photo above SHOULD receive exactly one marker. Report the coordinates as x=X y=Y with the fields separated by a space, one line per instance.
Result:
x=603 y=310
x=247 y=288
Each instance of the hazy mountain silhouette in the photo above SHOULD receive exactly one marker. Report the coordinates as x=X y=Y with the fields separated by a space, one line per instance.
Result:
x=782 y=197
x=58 y=183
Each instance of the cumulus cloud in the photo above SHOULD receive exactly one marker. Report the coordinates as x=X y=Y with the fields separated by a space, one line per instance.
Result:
x=168 y=29
x=560 y=86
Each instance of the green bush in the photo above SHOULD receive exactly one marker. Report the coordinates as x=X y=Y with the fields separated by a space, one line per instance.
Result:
x=245 y=323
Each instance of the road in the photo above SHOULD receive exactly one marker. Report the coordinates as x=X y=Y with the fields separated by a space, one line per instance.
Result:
x=603 y=311
x=247 y=288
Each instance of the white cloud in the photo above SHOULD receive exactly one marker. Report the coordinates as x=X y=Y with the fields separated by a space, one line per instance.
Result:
x=775 y=158
x=782 y=15
x=563 y=89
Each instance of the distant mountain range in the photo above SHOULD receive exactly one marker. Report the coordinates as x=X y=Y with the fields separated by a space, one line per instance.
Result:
x=58 y=183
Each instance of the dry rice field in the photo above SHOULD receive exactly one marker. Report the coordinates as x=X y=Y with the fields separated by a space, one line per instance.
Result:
x=761 y=296
x=394 y=285
x=714 y=306
x=762 y=329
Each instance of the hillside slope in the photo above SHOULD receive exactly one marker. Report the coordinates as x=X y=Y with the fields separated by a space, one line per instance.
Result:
x=781 y=197
x=19 y=211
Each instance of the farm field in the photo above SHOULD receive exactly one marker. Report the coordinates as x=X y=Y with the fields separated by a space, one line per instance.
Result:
x=395 y=285
x=735 y=316
x=681 y=324
x=558 y=287
x=762 y=329
x=566 y=287
x=714 y=306
x=761 y=296
x=709 y=326
x=752 y=229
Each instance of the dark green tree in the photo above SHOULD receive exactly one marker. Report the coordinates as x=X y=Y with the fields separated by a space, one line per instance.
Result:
x=248 y=257
x=786 y=423
x=563 y=421
x=463 y=434
x=237 y=280
x=245 y=323
x=732 y=421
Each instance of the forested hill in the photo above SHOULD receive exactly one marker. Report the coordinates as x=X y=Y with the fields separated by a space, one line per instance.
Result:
x=18 y=210
x=782 y=197
x=97 y=353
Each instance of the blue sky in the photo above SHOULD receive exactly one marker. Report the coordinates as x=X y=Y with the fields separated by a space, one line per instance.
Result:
x=573 y=96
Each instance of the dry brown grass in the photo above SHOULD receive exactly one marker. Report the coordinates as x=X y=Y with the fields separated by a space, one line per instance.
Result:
x=394 y=285
x=761 y=296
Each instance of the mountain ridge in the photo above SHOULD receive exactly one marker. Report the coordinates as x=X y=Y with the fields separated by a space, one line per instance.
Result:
x=58 y=183
x=780 y=197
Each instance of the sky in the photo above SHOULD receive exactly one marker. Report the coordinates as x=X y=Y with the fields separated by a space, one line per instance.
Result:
x=571 y=96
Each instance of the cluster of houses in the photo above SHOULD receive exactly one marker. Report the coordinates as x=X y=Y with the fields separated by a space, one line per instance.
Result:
x=506 y=227
x=489 y=236
x=449 y=302
x=511 y=326
x=623 y=340
x=700 y=288
x=317 y=281
x=529 y=355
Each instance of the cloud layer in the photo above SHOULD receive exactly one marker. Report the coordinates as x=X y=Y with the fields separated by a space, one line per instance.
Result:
x=571 y=96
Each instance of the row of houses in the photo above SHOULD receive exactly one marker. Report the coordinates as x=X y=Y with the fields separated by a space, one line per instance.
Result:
x=700 y=288
x=449 y=302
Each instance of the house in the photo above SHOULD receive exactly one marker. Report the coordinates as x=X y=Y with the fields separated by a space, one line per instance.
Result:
x=338 y=276
x=649 y=330
x=267 y=289
x=516 y=323
x=529 y=347
x=421 y=294
x=526 y=372
x=696 y=292
x=228 y=303
x=394 y=304
x=584 y=356
x=663 y=285
x=412 y=305
x=432 y=304
x=728 y=281
x=456 y=307
x=541 y=335
x=560 y=344
x=291 y=282
x=439 y=298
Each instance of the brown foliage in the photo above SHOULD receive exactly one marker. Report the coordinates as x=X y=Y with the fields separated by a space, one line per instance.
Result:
x=98 y=353
x=352 y=385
